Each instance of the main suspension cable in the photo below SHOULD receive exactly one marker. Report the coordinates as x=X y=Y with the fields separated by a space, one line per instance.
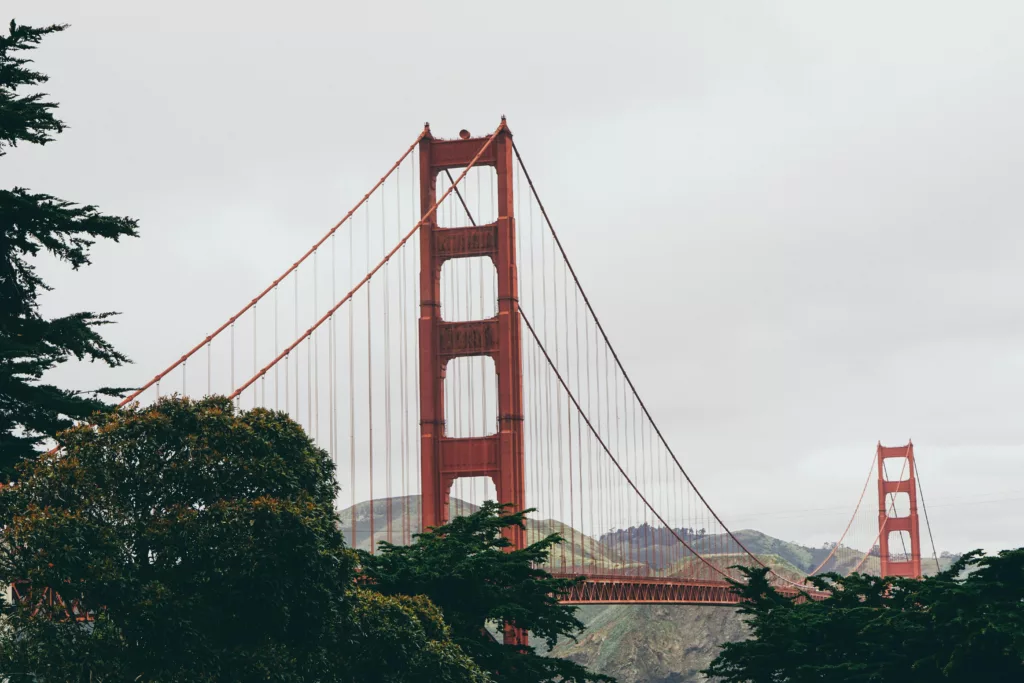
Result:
x=372 y=272
x=622 y=369
x=135 y=394
x=849 y=524
x=928 y=524
x=600 y=441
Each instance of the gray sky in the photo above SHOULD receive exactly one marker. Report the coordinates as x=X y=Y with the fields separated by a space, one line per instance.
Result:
x=799 y=221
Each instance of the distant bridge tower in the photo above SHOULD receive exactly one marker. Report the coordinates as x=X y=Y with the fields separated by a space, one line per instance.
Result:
x=905 y=483
x=499 y=456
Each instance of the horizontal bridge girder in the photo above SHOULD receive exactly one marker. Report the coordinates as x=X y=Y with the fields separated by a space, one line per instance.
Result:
x=898 y=486
x=897 y=523
x=903 y=568
x=479 y=240
x=634 y=590
x=639 y=590
x=469 y=457
x=471 y=338
x=446 y=154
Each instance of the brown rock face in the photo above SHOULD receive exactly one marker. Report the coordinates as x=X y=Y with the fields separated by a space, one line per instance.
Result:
x=652 y=643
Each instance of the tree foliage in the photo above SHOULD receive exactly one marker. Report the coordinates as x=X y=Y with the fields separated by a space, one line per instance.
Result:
x=965 y=624
x=32 y=224
x=403 y=638
x=206 y=543
x=465 y=568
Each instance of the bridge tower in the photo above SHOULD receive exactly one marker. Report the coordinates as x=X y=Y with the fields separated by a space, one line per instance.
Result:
x=888 y=522
x=498 y=456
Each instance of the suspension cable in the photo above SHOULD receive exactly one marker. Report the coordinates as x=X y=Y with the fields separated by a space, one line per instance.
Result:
x=131 y=397
x=849 y=524
x=643 y=406
x=604 y=447
x=928 y=524
x=373 y=271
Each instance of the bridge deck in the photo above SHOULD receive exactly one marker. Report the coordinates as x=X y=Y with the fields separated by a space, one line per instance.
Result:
x=638 y=590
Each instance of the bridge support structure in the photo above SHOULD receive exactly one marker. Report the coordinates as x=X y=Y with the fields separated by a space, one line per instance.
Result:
x=499 y=456
x=888 y=522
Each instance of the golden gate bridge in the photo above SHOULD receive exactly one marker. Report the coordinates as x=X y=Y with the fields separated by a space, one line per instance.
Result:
x=438 y=343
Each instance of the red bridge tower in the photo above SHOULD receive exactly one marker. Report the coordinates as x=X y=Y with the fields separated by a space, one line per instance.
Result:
x=888 y=522
x=499 y=456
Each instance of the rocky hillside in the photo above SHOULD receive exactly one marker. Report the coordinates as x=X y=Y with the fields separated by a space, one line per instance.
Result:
x=652 y=643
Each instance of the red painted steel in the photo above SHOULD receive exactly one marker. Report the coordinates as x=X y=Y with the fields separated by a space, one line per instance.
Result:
x=625 y=590
x=443 y=458
x=500 y=457
x=888 y=523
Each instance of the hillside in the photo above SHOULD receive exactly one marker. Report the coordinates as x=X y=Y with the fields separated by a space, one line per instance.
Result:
x=652 y=643
x=637 y=643
x=583 y=548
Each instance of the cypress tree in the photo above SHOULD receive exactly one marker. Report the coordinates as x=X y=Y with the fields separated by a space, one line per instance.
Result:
x=32 y=410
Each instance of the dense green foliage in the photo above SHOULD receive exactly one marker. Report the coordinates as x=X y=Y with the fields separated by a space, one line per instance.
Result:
x=465 y=568
x=205 y=541
x=31 y=224
x=964 y=624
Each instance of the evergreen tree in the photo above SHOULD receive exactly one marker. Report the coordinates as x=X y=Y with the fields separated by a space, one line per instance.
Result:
x=964 y=625
x=32 y=411
x=465 y=568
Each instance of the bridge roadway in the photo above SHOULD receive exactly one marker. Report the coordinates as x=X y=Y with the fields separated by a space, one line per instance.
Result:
x=640 y=590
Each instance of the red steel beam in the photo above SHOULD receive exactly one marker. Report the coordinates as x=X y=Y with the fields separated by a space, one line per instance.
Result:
x=627 y=590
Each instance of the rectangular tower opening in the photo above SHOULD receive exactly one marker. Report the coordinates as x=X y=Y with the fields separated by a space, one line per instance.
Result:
x=470 y=397
x=896 y=469
x=898 y=504
x=474 y=200
x=469 y=289
x=468 y=495
x=899 y=546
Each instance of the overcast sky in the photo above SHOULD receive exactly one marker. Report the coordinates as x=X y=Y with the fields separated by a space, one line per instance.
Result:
x=799 y=221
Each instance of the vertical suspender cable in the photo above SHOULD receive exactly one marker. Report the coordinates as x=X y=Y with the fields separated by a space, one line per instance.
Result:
x=415 y=356
x=277 y=350
x=590 y=454
x=255 y=337
x=402 y=367
x=332 y=362
x=568 y=417
x=369 y=378
x=387 y=366
x=643 y=479
x=558 y=408
x=352 y=383
x=295 y=319
x=315 y=346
